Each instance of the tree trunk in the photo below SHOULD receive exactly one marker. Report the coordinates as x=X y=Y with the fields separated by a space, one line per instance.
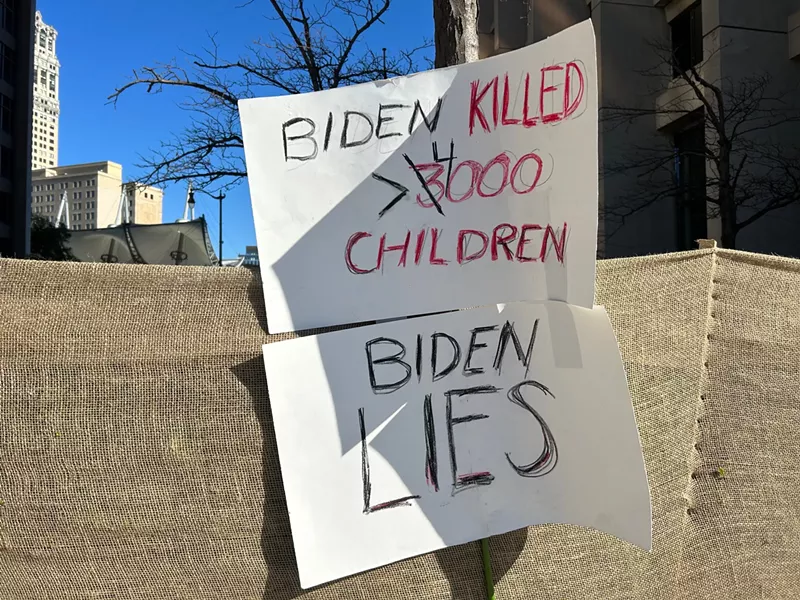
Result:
x=727 y=213
x=456 y=31
x=727 y=205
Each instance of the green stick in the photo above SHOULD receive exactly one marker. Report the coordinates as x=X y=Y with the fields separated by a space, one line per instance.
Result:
x=487 y=569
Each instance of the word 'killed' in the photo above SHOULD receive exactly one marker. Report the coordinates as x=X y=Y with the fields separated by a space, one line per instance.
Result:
x=564 y=98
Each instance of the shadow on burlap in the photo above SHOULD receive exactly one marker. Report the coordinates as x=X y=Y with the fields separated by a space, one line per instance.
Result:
x=138 y=459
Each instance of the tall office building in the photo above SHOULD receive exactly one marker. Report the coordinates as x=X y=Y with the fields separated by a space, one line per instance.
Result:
x=45 y=96
x=16 y=99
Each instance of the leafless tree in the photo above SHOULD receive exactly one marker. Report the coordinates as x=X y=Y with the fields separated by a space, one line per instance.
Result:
x=749 y=169
x=317 y=46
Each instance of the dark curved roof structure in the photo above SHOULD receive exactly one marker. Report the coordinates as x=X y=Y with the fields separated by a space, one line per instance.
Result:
x=182 y=243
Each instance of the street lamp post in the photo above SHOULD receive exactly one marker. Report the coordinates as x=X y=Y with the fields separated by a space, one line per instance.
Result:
x=220 y=197
x=191 y=203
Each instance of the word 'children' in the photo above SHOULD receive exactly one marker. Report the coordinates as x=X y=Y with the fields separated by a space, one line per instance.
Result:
x=504 y=240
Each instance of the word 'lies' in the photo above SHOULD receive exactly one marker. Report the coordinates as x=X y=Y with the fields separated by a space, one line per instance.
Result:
x=390 y=370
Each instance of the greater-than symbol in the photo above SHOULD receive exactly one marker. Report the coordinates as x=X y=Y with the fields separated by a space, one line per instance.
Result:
x=398 y=186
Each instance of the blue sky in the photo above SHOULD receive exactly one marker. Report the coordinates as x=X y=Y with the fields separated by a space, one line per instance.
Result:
x=100 y=43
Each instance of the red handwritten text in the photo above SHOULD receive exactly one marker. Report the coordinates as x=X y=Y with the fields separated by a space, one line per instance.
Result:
x=509 y=176
x=563 y=98
x=506 y=241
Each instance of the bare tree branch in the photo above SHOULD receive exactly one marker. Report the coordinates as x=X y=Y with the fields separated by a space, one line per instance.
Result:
x=370 y=19
x=746 y=174
x=315 y=45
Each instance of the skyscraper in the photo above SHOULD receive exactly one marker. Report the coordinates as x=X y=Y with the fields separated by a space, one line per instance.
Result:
x=45 y=96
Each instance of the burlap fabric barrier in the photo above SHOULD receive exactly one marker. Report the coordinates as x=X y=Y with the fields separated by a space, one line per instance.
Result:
x=138 y=459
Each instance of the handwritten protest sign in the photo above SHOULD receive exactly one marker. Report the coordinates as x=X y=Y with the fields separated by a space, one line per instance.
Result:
x=405 y=437
x=458 y=187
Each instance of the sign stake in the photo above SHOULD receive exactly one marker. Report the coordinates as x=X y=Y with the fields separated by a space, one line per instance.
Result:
x=487 y=569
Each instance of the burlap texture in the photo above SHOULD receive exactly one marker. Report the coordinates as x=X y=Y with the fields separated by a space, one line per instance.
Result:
x=138 y=459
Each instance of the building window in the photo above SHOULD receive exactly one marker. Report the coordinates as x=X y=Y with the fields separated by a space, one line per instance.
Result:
x=43 y=78
x=690 y=175
x=77 y=227
x=6 y=162
x=687 y=39
x=7 y=61
x=7 y=15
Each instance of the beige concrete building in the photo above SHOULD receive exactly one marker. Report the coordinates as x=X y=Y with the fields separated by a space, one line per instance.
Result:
x=94 y=194
x=46 y=108
x=727 y=41
x=145 y=203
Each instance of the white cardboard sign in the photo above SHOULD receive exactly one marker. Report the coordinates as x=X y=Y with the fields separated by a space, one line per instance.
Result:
x=464 y=186
x=402 y=438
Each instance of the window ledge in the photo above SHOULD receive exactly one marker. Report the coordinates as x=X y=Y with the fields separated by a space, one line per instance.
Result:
x=679 y=97
x=794 y=35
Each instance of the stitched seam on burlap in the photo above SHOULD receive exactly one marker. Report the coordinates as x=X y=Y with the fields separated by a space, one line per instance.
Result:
x=694 y=460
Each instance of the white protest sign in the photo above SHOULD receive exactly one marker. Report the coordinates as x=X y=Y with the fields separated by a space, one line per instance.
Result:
x=458 y=187
x=402 y=438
